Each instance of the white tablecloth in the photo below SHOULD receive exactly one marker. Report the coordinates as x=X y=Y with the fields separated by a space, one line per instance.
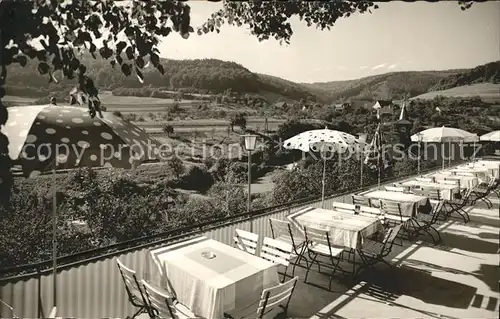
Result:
x=345 y=229
x=209 y=287
x=493 y=167
x=409 y=203
x=465 y=181
x=446 y=191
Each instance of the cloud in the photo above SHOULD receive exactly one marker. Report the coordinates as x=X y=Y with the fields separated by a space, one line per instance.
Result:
x=379 y=66
x=340 y=67
x=363 y=67
x=392 y=66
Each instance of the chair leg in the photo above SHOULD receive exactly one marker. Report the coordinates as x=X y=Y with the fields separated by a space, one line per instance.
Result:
x=309 y=267
x=438 y=234
x=333 y=272
x=141 y=310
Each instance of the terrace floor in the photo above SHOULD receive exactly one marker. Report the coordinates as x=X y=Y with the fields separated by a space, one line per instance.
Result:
x=458 y=278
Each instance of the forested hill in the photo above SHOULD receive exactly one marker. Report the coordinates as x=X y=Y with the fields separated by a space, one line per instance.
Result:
x=383 y=86
x=487 y=73
x=202 y=76
x=216 y=76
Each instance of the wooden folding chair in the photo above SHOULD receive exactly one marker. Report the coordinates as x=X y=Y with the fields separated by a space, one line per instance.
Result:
x=246 y=241
x=320 y=245
x=277 y=252
x=373 y=252
x=273 y=301
x=361 y=200
x=426 y=222
x=163 y=305
x=134 y=292
x=283 y=231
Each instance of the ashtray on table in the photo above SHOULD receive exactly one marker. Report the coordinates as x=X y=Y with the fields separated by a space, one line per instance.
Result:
x=208 y=255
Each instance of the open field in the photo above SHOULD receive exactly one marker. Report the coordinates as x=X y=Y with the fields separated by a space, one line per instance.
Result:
x=108 y=98
x=488 y=92
x=18 y=99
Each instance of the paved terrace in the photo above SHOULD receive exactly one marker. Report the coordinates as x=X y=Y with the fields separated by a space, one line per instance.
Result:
x=456 y=279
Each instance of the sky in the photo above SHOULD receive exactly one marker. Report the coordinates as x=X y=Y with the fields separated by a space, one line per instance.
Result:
x=398 y=36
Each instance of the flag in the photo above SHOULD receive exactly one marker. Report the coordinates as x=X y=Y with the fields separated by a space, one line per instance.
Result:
x=375 y=155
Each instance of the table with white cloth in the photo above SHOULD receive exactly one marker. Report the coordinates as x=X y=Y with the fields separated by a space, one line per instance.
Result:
x=209 y=277
x=465 y=181
x=410 y=204
x=446 y=191
x=345 y=228
x=482 y=173
x=493 y=167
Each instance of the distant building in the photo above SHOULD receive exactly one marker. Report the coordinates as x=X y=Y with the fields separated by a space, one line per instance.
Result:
x=281 y=105
x=383 y=107
x=342 y=106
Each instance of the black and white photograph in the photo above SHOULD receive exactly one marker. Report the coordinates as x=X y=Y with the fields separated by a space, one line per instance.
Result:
x=249 y=159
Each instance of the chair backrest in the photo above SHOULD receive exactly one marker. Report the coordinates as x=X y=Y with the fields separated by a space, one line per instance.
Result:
x=390 y=207
x=246 y=241
x=280 y=228
x=394 y=189
x=450 y=182
x=131 y=283
x=276 y=251
x=370 y=210
x=276 y=296
x=343 y=207
x=318 y=236
x=431 y=193
x=361 y=200
x=160 y=302
x=424 y=179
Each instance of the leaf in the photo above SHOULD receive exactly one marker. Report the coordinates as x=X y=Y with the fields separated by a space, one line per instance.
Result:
x=22 y=60
x=126 y=69
x=140 y=76
x=185 y=35
x=130 y=53
x=43 y=68
x=160 y=69
x=120 y=46
x=119 y=59
x=154 y=58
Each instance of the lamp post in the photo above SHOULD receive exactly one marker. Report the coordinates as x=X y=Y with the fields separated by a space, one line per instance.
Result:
x=362 y=142
x=250 y=143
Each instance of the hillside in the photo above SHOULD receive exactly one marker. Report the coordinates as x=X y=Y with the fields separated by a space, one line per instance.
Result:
x=215 y=76
x=488 y=92
x=198 y=76
x=392 y=85
x=486 y=73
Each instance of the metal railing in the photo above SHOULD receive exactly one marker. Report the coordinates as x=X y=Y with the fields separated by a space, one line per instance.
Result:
x=89 y=285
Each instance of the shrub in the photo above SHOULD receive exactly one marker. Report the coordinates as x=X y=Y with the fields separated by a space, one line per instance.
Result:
x=196 y=178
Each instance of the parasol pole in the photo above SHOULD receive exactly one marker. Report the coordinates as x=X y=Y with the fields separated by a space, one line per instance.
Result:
x=323 y=183
x=418 y=158
x=449 y=153
x=54 y=230
x=474 y=154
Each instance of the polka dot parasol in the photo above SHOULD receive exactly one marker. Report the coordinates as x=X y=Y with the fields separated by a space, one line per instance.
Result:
x=323 y=140
x=39 y=133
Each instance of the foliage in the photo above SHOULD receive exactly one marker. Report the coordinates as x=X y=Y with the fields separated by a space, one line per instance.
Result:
x=168 y=129
x=238 y=119
x=489 y=72
x=176 y=165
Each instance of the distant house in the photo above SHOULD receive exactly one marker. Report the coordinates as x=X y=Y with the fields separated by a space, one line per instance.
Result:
x=341 y=106
x=383 y=106
x=281 y=105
